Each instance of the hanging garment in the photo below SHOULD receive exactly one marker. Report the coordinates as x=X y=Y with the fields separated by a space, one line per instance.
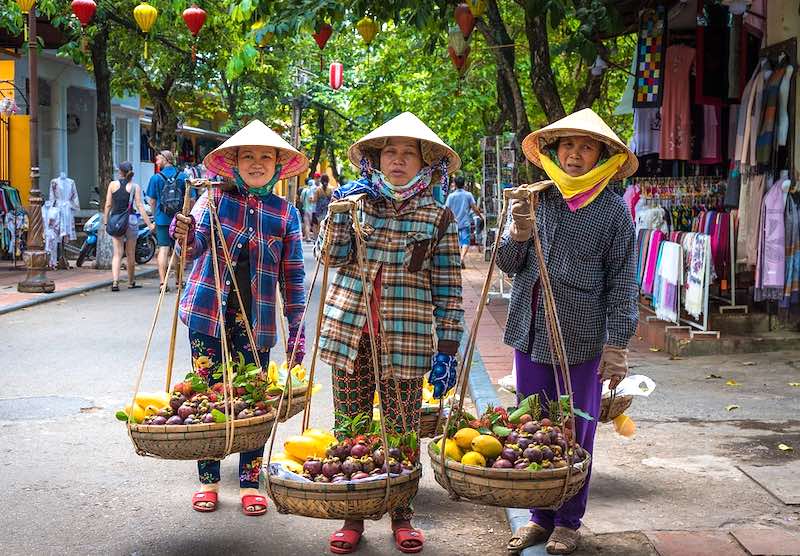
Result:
x=667 y=281
x=64 y=196
x=650 y=265
x=750 y=117
x=791 y=289
x=711 y=149
x=51 y=217
x=650 y=66
x=752 y=193
x=646 y=131
x=771 y=247
x=783 y=104
x=697 y=251
x=765 y=141
x=675 y=108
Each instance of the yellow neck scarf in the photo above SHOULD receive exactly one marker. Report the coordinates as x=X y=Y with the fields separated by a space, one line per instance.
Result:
x=582 y=189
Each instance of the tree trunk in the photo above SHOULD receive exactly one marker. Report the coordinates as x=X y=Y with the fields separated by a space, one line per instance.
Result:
x=320 y=139
x=164 y=124
x=105 y=131
x=593 y=86
x=333 y=163
x=542 y=79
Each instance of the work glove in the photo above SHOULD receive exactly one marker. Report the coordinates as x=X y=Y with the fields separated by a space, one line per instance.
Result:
x=356 y=187
x=521 y=225
x=443 y=374
x=182 y=228
x=613 y=365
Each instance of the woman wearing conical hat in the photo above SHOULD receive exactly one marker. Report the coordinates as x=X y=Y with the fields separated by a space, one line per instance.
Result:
x=262 y=234
x=414 y=275
x=587 y=237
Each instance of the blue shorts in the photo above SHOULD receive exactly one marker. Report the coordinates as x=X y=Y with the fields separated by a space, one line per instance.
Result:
x=463 y=237
x=162 y=236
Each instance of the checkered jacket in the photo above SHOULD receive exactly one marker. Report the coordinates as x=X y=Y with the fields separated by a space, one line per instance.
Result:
x=271 y=228
x=591 y=257
x=420 y=282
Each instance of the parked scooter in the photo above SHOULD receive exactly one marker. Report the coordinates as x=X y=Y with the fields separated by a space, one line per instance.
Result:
x=145 y=242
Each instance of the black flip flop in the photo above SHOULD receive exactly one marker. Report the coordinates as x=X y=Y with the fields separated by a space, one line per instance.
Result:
x=114 y=287
x=134 y=285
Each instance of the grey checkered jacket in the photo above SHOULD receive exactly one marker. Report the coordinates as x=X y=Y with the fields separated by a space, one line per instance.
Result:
x=591 y=257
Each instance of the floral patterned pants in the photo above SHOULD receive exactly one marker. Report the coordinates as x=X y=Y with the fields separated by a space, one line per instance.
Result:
x=206 y=357
x=353 y=393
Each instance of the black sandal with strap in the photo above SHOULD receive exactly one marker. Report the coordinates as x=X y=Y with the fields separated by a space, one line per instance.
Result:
x=114 y=286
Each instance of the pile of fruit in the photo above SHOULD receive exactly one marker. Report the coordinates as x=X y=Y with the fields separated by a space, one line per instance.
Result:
x=318 y=456
x=521 y=439
x=253 y=393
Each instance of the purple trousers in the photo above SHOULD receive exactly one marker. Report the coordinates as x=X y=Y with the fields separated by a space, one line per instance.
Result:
x=535 y=378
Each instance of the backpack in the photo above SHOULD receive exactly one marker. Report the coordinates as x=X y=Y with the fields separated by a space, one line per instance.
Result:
x=171 y=199
x=117 y=225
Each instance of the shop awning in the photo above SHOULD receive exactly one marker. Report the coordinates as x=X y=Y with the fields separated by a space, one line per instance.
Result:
x=190 y=130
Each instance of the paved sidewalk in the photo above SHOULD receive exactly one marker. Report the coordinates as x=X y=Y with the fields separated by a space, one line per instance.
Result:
x=68 y=282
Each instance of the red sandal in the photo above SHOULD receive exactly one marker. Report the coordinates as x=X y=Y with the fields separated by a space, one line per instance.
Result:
x=347 y=537
x=409 y=541
x=254 y=500
x=207 y=496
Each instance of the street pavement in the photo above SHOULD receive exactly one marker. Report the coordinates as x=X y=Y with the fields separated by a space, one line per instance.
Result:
x=74 y=484
x=704 y=473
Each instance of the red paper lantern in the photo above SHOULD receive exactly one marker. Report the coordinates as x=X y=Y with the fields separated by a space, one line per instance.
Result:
x=322 y=35
x=195 y=18
x=460 y=62
x=465 y=19
x=335 y=75
x=84 y=10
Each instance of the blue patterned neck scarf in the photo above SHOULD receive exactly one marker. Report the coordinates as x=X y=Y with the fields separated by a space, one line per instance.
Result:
x=260 y=192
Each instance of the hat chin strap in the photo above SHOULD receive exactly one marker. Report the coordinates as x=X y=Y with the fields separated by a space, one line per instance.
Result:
x=264 y=191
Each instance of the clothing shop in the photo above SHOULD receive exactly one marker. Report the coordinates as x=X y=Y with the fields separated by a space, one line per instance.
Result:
x=716 y=198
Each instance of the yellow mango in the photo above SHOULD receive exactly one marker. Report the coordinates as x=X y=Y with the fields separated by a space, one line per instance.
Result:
x=487 y=445
x=138 y=413
x=464 y=438
x=451 y=449
x=474 y=458
x=303 y=447
x=320 y=435
x=158 y=399
x=289 y=464
x=624 y=425
x=284 y=455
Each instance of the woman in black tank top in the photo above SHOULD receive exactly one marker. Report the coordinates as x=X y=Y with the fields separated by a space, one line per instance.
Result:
x=118 y=198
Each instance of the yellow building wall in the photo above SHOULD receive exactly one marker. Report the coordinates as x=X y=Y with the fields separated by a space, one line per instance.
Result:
x=783 y=22
x=19 y=135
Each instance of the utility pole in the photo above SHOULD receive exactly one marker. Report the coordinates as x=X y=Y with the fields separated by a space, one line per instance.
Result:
x=36 y=259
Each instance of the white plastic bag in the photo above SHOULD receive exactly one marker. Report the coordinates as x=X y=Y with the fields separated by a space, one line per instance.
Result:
x=632 y=385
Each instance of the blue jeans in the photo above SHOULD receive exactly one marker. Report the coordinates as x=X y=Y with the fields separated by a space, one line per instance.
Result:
x=209 y=349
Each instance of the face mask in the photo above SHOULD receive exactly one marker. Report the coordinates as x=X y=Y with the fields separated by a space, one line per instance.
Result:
x=402 y=192
x=257 y=191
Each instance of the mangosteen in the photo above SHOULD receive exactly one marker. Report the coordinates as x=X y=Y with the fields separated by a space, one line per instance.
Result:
x=395 y=467
x=530 y=427
x=208 y=418
x=521 y=463
x=313 y=467
x=190 y=420
x=185 y=410
x=367 y=465
x=359 y=450
x=501 y=463
x=259 y=413
x=174 y=420
x=406 y=464
x=340 y=478
x=512 y=437
x=532 y=453
x=350 y=466
x=547 y=453
x=158 y=420
x=321 y=479
x=166 y=413
x=245 y=414
x=540 y=438
x=524 y=441
x=176 y=401
x=511 y=453
x=378 y=457
x=358 y=475
x=331 y=467
x=395 y=453
x=239 y=406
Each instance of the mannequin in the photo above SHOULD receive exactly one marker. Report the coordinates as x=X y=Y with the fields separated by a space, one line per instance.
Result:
x=64 y=196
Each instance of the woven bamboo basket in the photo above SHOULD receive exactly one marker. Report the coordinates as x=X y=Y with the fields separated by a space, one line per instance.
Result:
x=202 y=441
x=365 y=500
x=427 y=421
x=613 y=406
x=508 y=488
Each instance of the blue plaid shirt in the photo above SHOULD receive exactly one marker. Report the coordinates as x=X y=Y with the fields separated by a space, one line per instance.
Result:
x=271 y=228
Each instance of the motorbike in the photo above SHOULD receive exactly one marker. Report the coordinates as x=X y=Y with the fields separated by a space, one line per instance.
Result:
x=145 y=242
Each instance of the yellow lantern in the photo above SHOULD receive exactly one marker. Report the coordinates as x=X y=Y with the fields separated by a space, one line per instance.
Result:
x=477 y=7
x=26 y=6
x=367 y=28
x=145 y=16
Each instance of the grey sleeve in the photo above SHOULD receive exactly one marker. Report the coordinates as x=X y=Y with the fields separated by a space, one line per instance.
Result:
x=620 y=284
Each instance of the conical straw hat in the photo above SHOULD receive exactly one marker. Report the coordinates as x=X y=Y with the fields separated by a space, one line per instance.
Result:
x=221 y=160
x=409 y=126
x=582 y=122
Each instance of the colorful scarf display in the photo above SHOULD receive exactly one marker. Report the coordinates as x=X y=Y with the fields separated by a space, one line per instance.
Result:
x=260 y=192
x=581 y=190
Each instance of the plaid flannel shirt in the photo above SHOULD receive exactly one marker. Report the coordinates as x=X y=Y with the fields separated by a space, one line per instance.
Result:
x=420 y=281
x=591 y=256
x=271 y=229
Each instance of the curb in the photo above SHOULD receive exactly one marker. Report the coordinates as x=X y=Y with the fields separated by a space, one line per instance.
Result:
x=47 y=297
x=483 y=393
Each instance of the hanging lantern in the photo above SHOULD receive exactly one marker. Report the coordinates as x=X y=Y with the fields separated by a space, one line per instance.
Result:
x=465 y=20
x=145 y=16
x=321 y=37
x=455 y=39
x=194 y=18
x=477 y=7
x=367 y=28
x=266 y=38
x=26 y=6
x=84 y=10
x=335 y=75
x=459 y=61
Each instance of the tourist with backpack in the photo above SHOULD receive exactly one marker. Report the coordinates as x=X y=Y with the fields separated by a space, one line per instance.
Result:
x=165 y=191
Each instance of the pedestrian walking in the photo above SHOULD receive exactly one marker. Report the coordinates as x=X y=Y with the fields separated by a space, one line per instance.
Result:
x=262 y=235
x=587 y=236
x=322 y=198
x=165 y=191
x=414 y=278
x=309 y=207
x=463 y=205
x=121 y=196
